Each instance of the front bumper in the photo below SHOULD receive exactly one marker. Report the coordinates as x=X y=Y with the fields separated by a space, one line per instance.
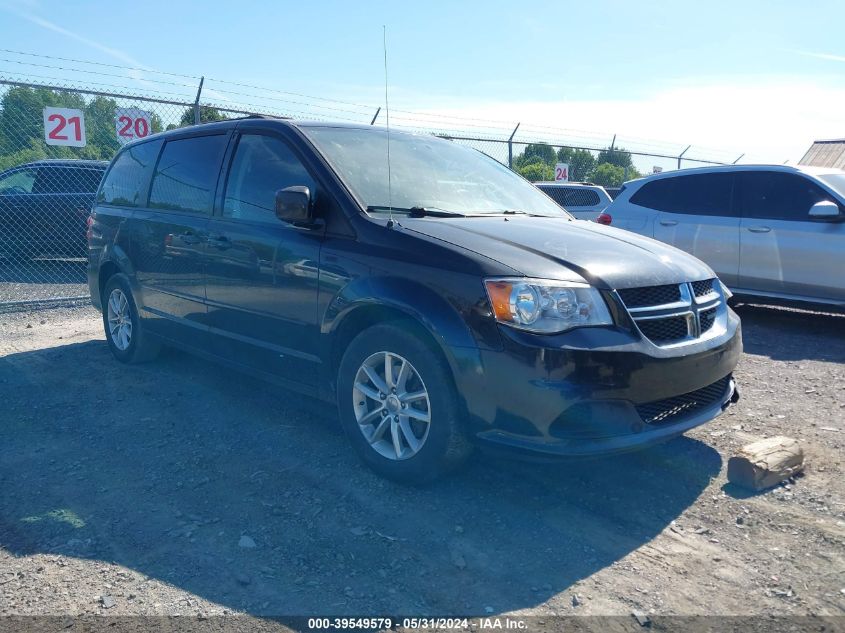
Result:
x=596 y=391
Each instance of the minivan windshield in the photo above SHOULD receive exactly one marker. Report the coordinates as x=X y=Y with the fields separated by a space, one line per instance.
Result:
x=426 y=173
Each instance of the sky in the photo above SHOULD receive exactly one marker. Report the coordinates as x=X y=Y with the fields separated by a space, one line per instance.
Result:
x=762 y=79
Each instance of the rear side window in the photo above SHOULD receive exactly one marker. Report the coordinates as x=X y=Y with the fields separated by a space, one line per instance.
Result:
x=262 y=165
x=568 y=197
x=697 y=194
x=778 y=196
x=186 y=174
x=126 y=181
x=18 y=182
x=67 y=180
x=87 y=180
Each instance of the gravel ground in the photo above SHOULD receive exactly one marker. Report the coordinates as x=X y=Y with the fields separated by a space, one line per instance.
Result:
x=179 y=487
x=38 y=280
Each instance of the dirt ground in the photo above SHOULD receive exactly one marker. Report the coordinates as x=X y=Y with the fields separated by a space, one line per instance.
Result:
x=179 y=487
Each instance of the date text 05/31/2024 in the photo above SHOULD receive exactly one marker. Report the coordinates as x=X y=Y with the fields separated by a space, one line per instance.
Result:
x=384 y=623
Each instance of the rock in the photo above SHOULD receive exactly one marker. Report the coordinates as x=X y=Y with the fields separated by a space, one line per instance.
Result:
x=243 y=579
x=247 y=542
x=107 y=601
x=488 y=609
x=458 y=560
x=358 y=531
x=766 y=463
x=576 y=601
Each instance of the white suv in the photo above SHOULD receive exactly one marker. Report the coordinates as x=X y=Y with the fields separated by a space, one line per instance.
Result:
x=584 y=200
x=768 y=231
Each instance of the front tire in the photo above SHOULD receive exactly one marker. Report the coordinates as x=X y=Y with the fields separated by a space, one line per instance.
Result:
x=398 y=406
x=127 y=340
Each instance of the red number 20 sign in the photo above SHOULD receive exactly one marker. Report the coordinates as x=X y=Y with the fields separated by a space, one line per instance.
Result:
x=132 y=123
x=64 y=126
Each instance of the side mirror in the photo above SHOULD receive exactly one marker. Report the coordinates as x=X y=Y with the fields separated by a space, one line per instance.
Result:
x=293 y=204
x=824 y=210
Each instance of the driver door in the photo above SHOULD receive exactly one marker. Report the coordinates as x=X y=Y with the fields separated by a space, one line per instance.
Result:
x=262 y=275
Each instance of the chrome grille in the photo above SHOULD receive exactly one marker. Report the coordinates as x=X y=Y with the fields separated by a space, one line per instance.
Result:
x=672 y=314
x=702 y=288
x=707 y=318
x=650 y=295
x=662 y=330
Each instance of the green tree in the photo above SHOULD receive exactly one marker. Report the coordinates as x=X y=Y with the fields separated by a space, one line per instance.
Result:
x=100 y=128
x=208 y=114
x=608 y=175
x=542 y=151
x=536 y=172
x=616 y=156
x=581 y=162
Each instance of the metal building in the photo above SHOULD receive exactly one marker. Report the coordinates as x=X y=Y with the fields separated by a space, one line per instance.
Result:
x=826 y=154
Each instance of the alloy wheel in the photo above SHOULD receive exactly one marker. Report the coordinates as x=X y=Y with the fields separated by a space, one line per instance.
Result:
x=391 y=405
x=120 y=320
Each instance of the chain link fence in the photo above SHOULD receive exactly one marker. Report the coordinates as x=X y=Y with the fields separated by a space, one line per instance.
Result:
x=56 y=140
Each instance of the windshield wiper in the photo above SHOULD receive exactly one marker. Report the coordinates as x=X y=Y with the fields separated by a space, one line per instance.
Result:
x=521 y=212
x=419 y=212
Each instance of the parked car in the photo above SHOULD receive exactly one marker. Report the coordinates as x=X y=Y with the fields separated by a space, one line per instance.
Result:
x=461 y=305
x=44 y=206
x=772 y=232
x=584 y=200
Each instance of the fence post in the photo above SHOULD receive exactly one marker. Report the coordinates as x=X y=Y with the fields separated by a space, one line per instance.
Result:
x=375 y=116
x=197 y=103
x=510 y=147
x=681 y=155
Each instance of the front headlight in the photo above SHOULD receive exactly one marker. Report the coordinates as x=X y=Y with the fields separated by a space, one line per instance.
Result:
x=545 y=305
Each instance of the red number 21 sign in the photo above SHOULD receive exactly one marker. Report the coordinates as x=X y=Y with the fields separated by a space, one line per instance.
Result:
x=64 y=126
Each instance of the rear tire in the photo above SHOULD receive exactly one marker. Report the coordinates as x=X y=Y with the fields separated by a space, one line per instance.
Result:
x=407 y=428
x=127 y=340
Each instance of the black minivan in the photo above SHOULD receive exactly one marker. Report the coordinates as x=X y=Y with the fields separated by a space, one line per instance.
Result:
x=436 y=297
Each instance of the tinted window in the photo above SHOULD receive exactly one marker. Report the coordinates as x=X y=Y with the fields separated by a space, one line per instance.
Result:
x=657 y=194
x=572 y=196
x=126 y=180
x=67 y=180
x=20 y=181
x=778 y=196
x=186 y=174
x=87 y=180
x=262 y=165
x=697 y=194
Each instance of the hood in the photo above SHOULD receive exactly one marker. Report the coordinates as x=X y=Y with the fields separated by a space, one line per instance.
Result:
x=555 y=248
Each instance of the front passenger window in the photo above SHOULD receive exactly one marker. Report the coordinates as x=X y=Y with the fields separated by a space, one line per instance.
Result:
x=778 y=196
x=262 y=165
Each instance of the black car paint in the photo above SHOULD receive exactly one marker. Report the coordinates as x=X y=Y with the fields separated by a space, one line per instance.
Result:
x=280 y=322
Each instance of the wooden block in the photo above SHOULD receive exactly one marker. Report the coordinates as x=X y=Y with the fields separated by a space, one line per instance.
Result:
x=766 y=463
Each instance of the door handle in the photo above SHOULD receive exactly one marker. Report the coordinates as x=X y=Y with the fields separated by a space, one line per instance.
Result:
x=188 y=237
x=219 y=241
x=669 y=222
x=759 y=229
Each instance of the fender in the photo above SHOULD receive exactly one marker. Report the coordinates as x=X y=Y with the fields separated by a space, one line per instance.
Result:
x=112 y=253
x=419 y=302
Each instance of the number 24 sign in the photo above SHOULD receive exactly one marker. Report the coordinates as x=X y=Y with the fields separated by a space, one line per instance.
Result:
x=64 y=126
x=132 y=123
